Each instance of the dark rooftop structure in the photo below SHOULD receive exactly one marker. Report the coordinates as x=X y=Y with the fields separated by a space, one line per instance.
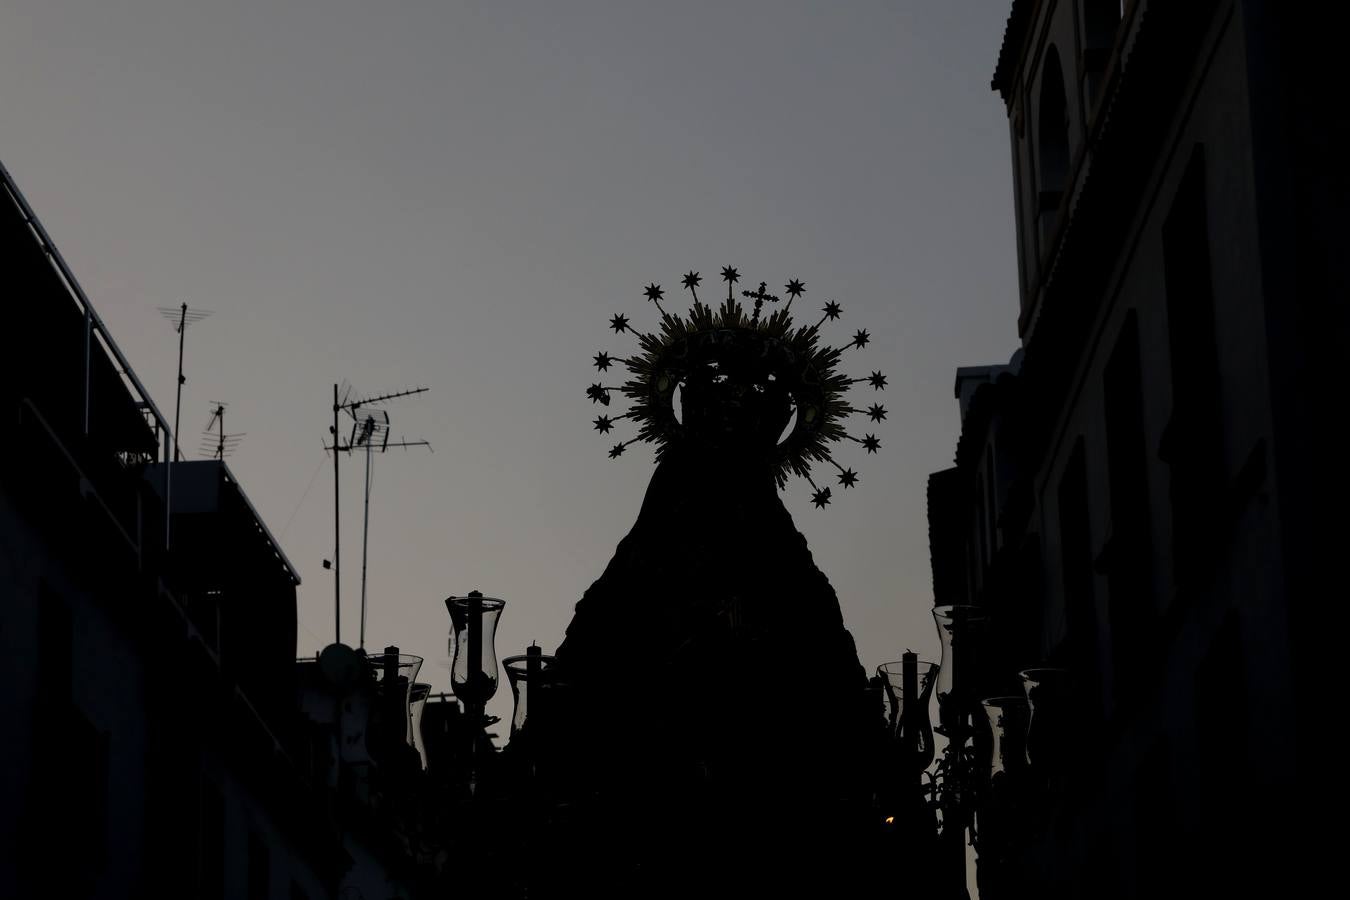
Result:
x=155 y=745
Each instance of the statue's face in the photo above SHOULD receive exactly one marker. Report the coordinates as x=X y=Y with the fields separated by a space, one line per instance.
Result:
x=734 y=407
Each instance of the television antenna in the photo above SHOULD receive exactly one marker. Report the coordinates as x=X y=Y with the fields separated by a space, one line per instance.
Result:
x=369 y=432
x=215 y=441
x=181 y=316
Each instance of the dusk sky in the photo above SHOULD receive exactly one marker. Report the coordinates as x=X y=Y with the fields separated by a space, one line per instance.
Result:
x=460 y=195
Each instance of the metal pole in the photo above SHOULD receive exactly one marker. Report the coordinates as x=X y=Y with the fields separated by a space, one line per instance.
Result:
x=960 y=813
x=475 y=644
x=907 y=722
x=337 y=526
x=88 y=362
x=178 y=404
x=168 y=490
x=365 y=543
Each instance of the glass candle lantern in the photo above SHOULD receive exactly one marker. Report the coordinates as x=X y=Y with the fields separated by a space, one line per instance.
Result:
x=473 y=653
x=437 y=726
x=1049 y=695
x=393 y=674
x=393 y=670
x=1008 y=718
x=909 y=684
x=526 y=674
x=417 y=698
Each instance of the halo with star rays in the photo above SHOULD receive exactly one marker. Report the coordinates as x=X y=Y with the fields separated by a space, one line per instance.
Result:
x=789 y=354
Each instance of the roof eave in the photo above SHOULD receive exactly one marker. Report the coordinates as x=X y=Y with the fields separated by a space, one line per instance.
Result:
x=1010 y=51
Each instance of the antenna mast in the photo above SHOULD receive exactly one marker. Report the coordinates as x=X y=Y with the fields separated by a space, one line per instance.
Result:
x=182 y=317
x=219 y=444
x=372 y=433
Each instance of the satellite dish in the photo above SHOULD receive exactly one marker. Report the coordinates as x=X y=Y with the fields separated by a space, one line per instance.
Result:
x=341 y=665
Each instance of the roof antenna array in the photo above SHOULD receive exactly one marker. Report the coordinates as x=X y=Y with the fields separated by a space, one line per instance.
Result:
x=215 y=441
x=181 y=316
x=369 y=432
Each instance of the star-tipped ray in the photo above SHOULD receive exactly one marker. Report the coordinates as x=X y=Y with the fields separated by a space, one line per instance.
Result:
x=876 y=380
x=871 y=443
x=847 y=477
x=617 y=450
x=654 y=294
x=603 y=424
x=603 y=361
x=598 y=393
x=730 y=276
x=620 y=323
x=860 y=339
x=794 y=290
x=831 y=310
x=691 y=283
x=820 y=496
x=876 y=412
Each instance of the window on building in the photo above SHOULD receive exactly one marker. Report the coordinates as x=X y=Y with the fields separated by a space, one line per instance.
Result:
x=1028 y=601
x=1157 y=833
x=1101 y=22
x=1129 y=555
x=981 y=528
x=1220 y=704
x=972 y=571
x=211 y=843
x=170 y=811
x=1052 y=143
x=70 y=758
x=1226 y=783
x=1192 y=440
x=259 y=867
x=991 y=498
x=204 y=610
x=87 y=756
x=1099 y=872
x=1076 y=570
x=55 y=663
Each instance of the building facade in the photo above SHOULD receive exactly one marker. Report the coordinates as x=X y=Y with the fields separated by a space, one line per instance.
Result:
x=154 y=746
x=1139 y=495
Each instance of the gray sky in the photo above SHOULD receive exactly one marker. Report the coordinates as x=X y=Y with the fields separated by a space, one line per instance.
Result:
x=460 y=195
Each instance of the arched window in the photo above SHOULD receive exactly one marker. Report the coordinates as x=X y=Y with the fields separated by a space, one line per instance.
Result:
x=1101 y=19
x=1052 y=140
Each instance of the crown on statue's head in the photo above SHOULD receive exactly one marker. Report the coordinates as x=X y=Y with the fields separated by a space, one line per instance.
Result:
x=747 y=381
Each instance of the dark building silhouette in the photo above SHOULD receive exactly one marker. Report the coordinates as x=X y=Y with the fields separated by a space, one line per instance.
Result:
x=1142 y=495
x=153 y=746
